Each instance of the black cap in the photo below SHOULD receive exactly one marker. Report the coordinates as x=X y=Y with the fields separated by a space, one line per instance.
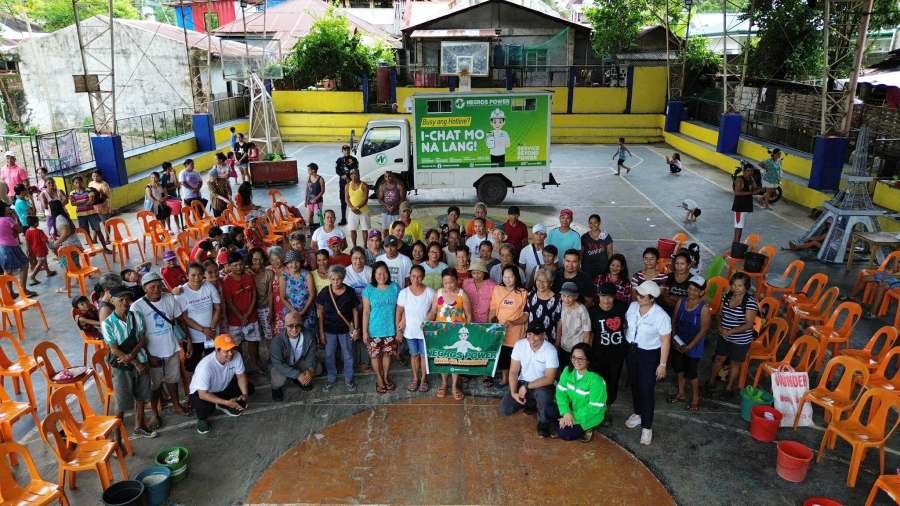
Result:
x=607 y=289
x=514 y=210
x=234 y=256
x=391 y=241
x=536 y=327
x=314 y=166
x=119 y=291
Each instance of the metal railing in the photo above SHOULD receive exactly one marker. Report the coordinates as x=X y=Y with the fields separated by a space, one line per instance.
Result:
x=705 y=110
x=139 y=131
x=23 y=147
x=62 y=151
x=428 y=76
x=231 y=108
x=794 y=131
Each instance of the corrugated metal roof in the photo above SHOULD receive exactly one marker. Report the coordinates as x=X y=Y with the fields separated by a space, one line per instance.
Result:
x=196 y=40
x=451 y=34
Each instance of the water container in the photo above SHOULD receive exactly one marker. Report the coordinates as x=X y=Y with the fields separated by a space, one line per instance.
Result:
x=124 y=493
x=156 y=480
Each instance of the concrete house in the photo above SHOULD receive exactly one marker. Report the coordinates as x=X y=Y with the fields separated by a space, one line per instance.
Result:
x=151 y=72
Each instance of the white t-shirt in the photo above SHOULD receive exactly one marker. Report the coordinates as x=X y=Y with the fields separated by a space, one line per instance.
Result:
x=161 y=341
x=474 y=243
x=530 y=258
x=198 y=305
x=575 y=322
x=212 y=376
x=689 y=204
x=645 y=330
x=358 y=280
x=399 y=267
x=534 y=363
x=320 y=236
x=415 y=310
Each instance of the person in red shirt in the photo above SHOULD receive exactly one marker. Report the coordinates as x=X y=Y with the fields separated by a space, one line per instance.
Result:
x=203 y=251
x=516 y=231
x=338 y=257
x=172 y=273
x=36 y=243
x=239 y=294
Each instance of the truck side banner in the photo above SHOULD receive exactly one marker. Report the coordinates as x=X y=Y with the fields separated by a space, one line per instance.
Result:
x=478 y=131
x=463 y=348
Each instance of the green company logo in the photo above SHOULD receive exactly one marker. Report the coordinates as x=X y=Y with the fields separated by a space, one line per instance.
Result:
x=380 y=159
x=460 y=103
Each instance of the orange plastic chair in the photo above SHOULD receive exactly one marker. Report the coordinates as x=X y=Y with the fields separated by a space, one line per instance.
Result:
x=120 y=237
x=759 y=278
x=892 y=296
x=10 y=412
x=146 y=218
x=88 y=341
x=285 y=214
x=752 y=241
x=813 y=313
x=42 y=353
x=266 y=229
x=716 y=287
x=14 y=308
x=73 y=457
x=844 y=394
x=765 y=347
x=878 y=346
x=887 y=483
x=19 y=367
x=36 y=492
x=880 y=379
x=277 y=225
x=834 y=336
x=91 y=248
x=104 y=379
x=812 y=290
x=863 y=433
x=79 y=269
x=193 y=222
x=889 y=264
x=161 y=240
x=784 y=284
x=91 y=427
x=680 y=240
x=768 y=308
x=185 y=239
x=184 y=257
x=801 y=356
x=276 y=196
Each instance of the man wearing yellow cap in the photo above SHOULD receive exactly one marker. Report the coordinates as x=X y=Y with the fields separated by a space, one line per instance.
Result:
x=219 y=382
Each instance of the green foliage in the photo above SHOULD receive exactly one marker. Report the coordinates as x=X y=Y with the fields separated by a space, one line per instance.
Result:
x=617 y=23
x=699 y=58
x=56 y=14
x=332 y=51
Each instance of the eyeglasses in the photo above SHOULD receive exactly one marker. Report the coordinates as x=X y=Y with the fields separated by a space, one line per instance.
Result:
x=578 y=359
x=293 y=325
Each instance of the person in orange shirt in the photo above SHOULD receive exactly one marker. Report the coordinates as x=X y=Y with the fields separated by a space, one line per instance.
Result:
x=480 y=211
x=508 y=309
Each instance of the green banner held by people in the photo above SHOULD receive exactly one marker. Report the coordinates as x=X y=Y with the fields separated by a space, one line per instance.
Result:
x=463 y=348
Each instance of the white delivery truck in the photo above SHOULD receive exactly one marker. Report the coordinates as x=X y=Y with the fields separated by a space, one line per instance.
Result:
x=491 y=141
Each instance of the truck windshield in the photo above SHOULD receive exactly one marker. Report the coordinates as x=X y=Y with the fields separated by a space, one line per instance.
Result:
x=380 y=139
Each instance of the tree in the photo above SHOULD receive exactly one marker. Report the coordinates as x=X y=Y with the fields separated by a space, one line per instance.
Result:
x=617 y=23
x=331 y=51
x=56 y=14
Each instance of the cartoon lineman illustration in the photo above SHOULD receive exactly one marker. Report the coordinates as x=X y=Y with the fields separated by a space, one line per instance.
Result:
x=498 y=139
x=462 y=346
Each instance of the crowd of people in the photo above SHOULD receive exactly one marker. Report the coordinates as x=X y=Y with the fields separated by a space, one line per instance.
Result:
x=242 y=311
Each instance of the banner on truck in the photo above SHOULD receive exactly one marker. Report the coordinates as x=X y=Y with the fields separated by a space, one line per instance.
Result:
x=462 y=348
x=481 y=131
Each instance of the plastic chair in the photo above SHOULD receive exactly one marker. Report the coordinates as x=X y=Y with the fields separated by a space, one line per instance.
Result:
x=889 y=484
x=680 y=240
x=192 y=221
x=878 y=346
x=18 y=368
x=862 y=432
x=813 y=313
x=14 y=308
x=276 y=224
x=161 y=240
x=266 y=230
x=145 y=218
x=185 y=239
x=759 y=278
x=73 y=457
x=10 y=412
x=832 y=336
x=784 y=284
x=715 y=289
x=717 y=267
x=42 y=354
x=812 y=290
x=842 y=396
x=276 y=196
x=891 y=296
x=91 y=248
x=285 y=214
x=184 y=257
x=91 y=427
x=768 y=308
x=800 y=356
x=88 y=341
x=79 y=269
x=880 y=379
x=104 y=379
x=752 y=241
x=36 y=491
x=765 y=347
x=120 y=237
x=889 y=264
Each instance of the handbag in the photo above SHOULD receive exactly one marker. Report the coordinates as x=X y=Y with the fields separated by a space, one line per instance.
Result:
x=179 y=332
x=126 y=346
x=350 y=326
x=788 y=387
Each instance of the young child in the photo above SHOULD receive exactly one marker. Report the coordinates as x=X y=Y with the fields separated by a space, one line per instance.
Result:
x=338 y=257
x=239 y=294
x=621 y=152
x=574 y=324
x=229 y=162
x=172 y=273
x=478 y=236
x=226 y=247
x=550 y=253
x=251 y=236
x=86 y=317
x=675 y=166
x=693 y=211
x=36 y=242
x=132 y=281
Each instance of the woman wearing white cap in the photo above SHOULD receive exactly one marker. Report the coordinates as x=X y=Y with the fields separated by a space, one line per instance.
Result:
x=649 y=329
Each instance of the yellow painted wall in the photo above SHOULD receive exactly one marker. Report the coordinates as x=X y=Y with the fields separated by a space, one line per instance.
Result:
x=701 y=133
x=145 y=161
x=224 y=135
x=648 y=91
x=599 y=100
x=318 y=101
x=797 y=165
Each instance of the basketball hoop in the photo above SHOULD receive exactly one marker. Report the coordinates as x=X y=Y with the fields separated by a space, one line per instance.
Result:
x=464 y=64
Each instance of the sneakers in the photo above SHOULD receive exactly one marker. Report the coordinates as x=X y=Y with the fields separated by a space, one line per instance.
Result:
x=141 y=432
x=278 y=394
x=228 y=411
x=203 y=427
x=351 y=387
x=633 y=421
x=327 y=387
x=646 y=436
x=543 y=431
x=586 y=438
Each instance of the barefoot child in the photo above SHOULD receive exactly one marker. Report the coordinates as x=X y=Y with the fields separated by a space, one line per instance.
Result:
x=36 y=242
x=86 y=317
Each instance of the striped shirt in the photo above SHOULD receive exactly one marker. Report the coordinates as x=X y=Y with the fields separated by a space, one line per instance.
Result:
x=735 y=317
x=115 y=331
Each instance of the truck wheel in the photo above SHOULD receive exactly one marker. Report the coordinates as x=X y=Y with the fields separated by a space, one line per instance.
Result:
x=491 y=190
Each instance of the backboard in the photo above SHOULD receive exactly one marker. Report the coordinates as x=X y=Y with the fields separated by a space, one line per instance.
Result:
x=459 y=55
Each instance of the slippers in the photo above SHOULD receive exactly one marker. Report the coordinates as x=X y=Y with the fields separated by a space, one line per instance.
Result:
x=390 y=386
x=380 y=389
x=50 y=274
x=413 y=386
x=34 y=282
x=487 y=382
x=693 y=407
x=458 y=395
x=441 y=392
x=423 y=386
x=674 y=398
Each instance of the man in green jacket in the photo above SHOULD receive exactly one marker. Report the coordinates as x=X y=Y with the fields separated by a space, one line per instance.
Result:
x=580 y=397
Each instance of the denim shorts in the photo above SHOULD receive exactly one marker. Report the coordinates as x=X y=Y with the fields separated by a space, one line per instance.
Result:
x=416 y=347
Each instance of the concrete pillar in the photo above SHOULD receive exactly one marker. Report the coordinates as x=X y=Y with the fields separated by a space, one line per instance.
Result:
x=629 y=84
x=393 y=76
x=364 y=88
x=204 y=131
x=674 y=112
x=827 y=163
x=570 y=98
x=729 y=133
x=110 y=159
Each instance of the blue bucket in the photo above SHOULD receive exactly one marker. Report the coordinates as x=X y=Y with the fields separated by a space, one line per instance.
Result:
x=156 y=480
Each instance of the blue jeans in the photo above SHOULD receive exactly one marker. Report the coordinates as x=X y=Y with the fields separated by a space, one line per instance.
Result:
x=331 y=343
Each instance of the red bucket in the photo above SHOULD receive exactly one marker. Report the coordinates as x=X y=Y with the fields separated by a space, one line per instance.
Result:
x=821 y=501
x=793 y=461
x=666 y=248
x=761 y=427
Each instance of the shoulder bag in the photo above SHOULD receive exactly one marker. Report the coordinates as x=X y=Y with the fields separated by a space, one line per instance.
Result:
x=179 y=332
x=350 y=326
